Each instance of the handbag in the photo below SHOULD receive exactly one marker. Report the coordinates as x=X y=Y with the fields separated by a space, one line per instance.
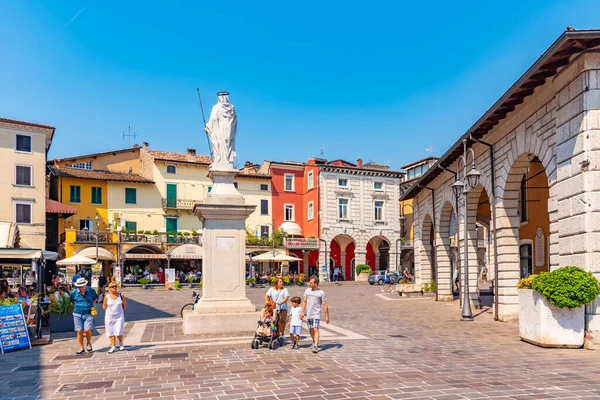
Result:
x=93 y=311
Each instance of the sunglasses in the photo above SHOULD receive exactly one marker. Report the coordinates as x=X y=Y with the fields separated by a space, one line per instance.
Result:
x=112 y=287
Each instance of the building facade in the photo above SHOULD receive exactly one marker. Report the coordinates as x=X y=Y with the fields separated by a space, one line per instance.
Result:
x=23 y=150
x=538 y=153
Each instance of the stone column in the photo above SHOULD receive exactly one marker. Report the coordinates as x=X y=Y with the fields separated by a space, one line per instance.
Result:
x=223 y=307
x=360 y=256
x=578 y=181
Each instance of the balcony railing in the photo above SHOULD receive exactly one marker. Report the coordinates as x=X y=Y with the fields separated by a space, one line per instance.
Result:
x=90 y=237
x=178 y=204
x=408 y=244
x=160 y=238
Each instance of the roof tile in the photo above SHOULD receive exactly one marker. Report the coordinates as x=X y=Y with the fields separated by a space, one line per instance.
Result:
x=99 y=175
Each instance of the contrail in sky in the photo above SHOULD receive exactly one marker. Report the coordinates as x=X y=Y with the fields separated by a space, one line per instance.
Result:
x=69 y=23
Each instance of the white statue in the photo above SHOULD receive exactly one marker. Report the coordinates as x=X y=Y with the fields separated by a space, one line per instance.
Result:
x=221 y=129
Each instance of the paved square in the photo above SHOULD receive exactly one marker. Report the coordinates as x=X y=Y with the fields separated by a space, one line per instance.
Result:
x=378 y=346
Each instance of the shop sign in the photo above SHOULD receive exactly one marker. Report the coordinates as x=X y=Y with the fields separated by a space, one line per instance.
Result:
x=169 y=277
x=145 y=256
x=13 y=330
x=302 y=243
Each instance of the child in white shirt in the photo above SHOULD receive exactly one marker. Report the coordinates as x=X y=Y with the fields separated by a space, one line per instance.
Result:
x=295 y=324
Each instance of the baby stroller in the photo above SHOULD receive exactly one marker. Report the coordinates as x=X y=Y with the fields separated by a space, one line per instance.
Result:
x=267 y=331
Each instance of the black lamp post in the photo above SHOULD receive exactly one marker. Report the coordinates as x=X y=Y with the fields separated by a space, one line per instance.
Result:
x=471 y=180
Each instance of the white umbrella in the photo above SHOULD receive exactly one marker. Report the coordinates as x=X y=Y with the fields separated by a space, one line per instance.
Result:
x=76 y=260
x=278 y=257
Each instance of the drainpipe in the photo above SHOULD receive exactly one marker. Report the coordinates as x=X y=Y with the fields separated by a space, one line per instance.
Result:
x=434 y=232
x=457 y=238
x=491 y=147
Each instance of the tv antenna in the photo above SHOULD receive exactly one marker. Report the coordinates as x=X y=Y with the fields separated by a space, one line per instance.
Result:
x=129 y=135
x=321 y=152
x=429 y=150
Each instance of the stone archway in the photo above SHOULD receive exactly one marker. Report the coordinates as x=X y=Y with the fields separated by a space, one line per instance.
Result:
x=446 y=241
x=342 y=252
x=378 y=253
x=523 y=219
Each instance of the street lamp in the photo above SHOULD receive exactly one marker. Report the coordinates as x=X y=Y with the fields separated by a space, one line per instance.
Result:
x=471 y=179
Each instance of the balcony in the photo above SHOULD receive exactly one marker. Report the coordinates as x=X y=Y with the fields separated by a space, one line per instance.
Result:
x=84 y=236
x=160 y=238
x=406 y=244
x=178 y=204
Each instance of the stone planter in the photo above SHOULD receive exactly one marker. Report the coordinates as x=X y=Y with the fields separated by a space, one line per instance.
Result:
x=409 y=289
x=546 y=325
x=61 y=322
x=363 y=277
x=144 y=286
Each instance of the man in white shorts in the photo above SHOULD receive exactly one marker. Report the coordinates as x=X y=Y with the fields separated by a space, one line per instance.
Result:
x=314 y=300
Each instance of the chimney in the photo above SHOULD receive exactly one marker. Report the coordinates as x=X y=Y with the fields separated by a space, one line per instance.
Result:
x=191 y=154
x=359 y=163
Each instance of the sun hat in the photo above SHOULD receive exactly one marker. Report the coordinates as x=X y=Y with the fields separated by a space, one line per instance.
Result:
x=81 y=282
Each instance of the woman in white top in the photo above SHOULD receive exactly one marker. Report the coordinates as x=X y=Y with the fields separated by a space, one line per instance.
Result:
x=114 y=320
x=279 y=294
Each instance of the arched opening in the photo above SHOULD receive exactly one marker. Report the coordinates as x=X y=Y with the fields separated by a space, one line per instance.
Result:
x=524 y=208
x=446 y=252
x=144 y=260
x=342 y=249
x=479 y=216
x=378 y=253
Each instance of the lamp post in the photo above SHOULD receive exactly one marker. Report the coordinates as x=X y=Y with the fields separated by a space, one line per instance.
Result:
x=402 y=229
x=272 y=239
x=471 y=179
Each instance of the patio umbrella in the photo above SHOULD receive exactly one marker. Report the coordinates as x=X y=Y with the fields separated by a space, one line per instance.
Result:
x=76 y=260
x=278 y=257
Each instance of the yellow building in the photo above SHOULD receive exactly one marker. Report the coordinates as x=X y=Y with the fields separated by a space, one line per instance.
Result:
x=86 y=190
x=23 y=149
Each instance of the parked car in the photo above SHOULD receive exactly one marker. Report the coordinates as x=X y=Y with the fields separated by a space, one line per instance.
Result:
x=378 y=277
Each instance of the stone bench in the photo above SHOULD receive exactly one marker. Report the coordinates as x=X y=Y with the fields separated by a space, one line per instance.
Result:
x=409 y=289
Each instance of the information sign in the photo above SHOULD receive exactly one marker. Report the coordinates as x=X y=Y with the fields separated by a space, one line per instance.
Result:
x=13 y=330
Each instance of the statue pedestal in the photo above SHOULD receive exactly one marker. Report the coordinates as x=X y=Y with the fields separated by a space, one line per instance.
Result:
x=223 y=307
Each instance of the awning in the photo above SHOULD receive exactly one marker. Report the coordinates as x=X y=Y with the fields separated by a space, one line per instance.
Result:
x=147 y=256
x=55 y=207
x=103 y=254
x=76 y=260
x=291 y=228
x=186 y=252
x=18 y=255
x=8 y=234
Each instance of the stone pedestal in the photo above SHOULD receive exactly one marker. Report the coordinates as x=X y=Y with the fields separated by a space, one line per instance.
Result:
x=223 y=307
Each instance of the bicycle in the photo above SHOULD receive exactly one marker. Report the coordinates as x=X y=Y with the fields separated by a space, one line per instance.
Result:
x=190 y=306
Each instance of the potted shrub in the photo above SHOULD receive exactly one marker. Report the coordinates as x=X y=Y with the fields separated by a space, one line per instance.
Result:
x=301 y=280
x=551 y=306
x=429 y=288
x=286 y=280
x=60 y=315
x=194 y=232
x=155 y=232
x=191 y=279
x=251 y=281
x=362 y=272
x=176 y=285
x=144 y=282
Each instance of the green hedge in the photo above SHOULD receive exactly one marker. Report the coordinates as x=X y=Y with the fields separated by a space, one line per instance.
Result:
x=363 y=268
x=568 y=287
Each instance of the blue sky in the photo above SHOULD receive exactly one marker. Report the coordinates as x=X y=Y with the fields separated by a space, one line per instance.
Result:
x=378 y=80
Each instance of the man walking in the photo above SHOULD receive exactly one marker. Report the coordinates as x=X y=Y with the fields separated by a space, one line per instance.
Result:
x=314 y=300
x=83 y=299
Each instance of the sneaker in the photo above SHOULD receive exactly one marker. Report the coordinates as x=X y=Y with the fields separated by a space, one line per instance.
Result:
x=80 y=352
x=121 y=347
x=297 y=346
x=112 y=350
x=315 y=349
x=89 y=348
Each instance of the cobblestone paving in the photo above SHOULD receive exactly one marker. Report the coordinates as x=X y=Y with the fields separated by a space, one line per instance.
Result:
x=413 y=349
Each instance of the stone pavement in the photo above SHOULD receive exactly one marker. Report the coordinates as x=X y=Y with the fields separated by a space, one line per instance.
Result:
x=378 y=346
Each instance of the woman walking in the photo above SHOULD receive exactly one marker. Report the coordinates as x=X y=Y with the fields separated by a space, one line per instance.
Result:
x=279 y=294
x=114 y=304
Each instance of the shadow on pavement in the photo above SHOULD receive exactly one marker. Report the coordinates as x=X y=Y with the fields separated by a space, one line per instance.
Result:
x=136 y=311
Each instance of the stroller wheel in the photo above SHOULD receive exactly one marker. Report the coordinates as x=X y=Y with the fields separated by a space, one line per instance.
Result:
x=271 y=345
x=255 y=344
x=280 y=340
